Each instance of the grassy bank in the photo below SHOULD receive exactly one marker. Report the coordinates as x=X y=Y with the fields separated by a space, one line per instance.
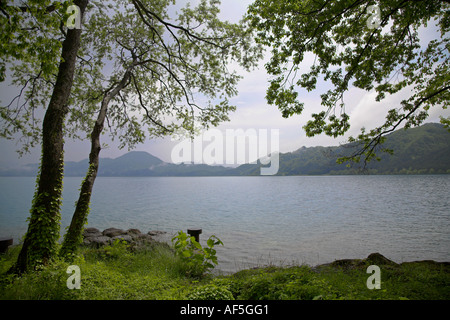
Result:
x=154 y=272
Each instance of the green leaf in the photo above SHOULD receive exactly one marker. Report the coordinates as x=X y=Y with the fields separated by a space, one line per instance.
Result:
x=349 y=53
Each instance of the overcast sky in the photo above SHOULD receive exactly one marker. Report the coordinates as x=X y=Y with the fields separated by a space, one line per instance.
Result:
x=252 y=112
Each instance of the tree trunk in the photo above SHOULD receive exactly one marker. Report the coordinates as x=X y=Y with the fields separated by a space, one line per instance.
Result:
x=74 y=235
x=43 y=229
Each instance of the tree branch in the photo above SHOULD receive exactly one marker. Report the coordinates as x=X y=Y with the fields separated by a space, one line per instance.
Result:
x=142 y=104
x=138 y=4
x=369 y=148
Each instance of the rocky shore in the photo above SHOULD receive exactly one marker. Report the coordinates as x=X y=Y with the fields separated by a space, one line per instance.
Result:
x=379 y=260
x=93 y=237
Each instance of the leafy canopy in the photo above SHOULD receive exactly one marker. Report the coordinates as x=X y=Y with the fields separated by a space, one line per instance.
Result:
x=30 y=44
x=180 y=70
x=355 y=45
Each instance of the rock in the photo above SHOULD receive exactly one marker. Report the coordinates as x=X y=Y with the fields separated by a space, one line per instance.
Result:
x=144 y=238
x=92 y=232
x=134 y=237
x=378 y=259
x=112 y=232
x=345 y=264
x=125 y=237
x=381 y=261
x=99 y=241
x=94 y=237
x=156 y=233
x=350 y=264
x=132 y=232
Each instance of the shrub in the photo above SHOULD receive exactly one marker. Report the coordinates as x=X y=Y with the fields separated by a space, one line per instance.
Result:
x=118 y=249
x=197 y=259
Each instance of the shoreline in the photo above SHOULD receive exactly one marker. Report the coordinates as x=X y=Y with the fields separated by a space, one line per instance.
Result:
x=93 y=237
x=152 y=272
x=134 y=237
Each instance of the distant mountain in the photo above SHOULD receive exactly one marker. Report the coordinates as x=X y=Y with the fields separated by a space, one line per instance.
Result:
x=140 y=163
x=424 y=149
x=129 y=164
x=420 y=150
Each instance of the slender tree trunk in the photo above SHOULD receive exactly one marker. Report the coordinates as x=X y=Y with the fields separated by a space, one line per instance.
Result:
x=43 y=229
x=73 y=237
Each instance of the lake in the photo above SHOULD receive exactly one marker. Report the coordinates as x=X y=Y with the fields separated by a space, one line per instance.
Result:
x=261 y=220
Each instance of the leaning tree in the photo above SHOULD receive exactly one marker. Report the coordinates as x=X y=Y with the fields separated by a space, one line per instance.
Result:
x=131 y=68
x=168 y=73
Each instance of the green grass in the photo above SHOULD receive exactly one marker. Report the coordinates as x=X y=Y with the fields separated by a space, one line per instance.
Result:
x=109 y=273
x=154 y=272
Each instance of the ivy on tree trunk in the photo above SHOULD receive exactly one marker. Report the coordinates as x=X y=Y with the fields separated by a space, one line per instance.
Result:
x=73 y=237
x=40 y=243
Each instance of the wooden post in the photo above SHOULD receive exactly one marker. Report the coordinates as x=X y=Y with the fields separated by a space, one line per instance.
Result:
x=5 y=243
x=195 y=233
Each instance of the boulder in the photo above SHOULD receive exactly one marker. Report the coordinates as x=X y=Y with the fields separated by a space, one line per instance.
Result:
x=112 y=232
x=349 y=264
x=156 y=233
x=91 y=232
x=99 y=241
x=345 y=264
x=379 y=259
x=125 y=237
x=132 y=232
x=144 y=238
x=96 y=238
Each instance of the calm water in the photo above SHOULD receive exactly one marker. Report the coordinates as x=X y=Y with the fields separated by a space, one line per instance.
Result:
x=281 y=220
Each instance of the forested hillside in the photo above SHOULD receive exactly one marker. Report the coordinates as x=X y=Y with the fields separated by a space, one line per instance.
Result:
x=425 y=149
x=421 y=150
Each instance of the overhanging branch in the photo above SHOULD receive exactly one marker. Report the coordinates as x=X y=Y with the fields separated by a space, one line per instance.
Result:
x=369 y=148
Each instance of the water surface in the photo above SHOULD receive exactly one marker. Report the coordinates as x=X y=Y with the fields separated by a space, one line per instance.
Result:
x=298 y=219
